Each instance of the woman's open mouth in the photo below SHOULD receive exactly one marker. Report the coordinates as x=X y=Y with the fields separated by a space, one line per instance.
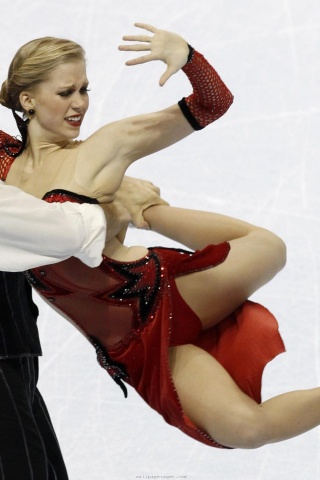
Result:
x=74 y=121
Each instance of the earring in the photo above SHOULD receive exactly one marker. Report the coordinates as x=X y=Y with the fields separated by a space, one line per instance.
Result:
x=31 y=112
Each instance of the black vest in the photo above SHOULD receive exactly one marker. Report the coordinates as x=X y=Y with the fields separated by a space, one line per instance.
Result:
x=18 y=317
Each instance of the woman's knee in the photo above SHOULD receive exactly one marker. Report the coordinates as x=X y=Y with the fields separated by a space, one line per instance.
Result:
x=274 y=247
x=248 y=431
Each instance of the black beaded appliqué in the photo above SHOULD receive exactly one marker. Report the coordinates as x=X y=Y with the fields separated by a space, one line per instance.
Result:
x=60 y=195
x=141 y=279
x=35 y=281
x=10 y=145
x=49 y=291
x=10 y=148
x=116 y=370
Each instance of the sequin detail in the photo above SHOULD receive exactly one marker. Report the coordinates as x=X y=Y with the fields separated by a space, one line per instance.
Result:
x=10 y=148
x=35 y=281
x=116 y=370
x=60 y=195
x=139 y=279
x=210 y=99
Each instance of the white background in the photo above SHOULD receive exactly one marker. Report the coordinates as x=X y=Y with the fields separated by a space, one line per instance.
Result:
x=260 y=163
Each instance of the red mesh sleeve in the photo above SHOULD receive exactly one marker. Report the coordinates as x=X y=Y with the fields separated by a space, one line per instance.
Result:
x=210 y=98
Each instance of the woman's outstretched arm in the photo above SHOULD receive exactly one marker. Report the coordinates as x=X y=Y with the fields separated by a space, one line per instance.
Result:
x=116 y=145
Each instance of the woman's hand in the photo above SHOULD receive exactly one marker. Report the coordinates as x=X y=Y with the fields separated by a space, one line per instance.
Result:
x=163 y=45
x=137 y=195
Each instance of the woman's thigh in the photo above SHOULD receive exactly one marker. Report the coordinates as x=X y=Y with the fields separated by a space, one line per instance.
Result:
x=213 y=401
x=216 y=292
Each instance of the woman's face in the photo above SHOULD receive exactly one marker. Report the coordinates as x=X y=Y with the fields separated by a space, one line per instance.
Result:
x=60 y=103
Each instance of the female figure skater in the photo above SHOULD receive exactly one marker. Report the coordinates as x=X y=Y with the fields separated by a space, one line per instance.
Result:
x=174 y=324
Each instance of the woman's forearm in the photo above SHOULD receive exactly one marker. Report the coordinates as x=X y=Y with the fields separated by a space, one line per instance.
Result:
x=193 y=228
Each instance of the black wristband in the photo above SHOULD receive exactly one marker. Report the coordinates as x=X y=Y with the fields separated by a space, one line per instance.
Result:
x=191 y=50
x=188 y=115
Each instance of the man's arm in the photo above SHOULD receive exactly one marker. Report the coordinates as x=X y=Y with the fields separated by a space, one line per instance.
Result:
x=33 y=232
x=136 y=195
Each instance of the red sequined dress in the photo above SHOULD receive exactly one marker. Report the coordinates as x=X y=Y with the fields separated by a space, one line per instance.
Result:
x=132 y=313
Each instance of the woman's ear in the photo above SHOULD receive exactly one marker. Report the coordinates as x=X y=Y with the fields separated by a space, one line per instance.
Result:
x=26 y=101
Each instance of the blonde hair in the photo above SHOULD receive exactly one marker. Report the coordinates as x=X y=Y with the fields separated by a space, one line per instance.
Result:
x=32 y=65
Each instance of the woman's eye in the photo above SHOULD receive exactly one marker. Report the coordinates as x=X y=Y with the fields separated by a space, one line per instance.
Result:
x=67 y=93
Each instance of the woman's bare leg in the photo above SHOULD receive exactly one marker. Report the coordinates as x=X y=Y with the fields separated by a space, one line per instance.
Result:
x=208 y=394
x=215 y=403
x=256 y=256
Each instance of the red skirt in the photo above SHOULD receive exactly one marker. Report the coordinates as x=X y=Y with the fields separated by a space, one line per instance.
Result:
x=133 y=313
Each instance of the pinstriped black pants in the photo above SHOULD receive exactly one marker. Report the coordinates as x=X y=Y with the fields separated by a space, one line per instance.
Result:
x=29 y=449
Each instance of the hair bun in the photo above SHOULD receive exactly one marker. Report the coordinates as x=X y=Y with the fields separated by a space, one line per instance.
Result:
x=4 y=95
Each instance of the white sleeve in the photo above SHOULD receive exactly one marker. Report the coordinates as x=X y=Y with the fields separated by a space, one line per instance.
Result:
x=34 y=233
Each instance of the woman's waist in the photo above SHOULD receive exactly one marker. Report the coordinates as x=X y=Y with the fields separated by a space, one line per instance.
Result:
x=115 y=250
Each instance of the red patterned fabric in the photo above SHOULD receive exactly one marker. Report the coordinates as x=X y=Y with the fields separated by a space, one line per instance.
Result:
x=210 y=98
x=132 y=313
x=9 y=149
